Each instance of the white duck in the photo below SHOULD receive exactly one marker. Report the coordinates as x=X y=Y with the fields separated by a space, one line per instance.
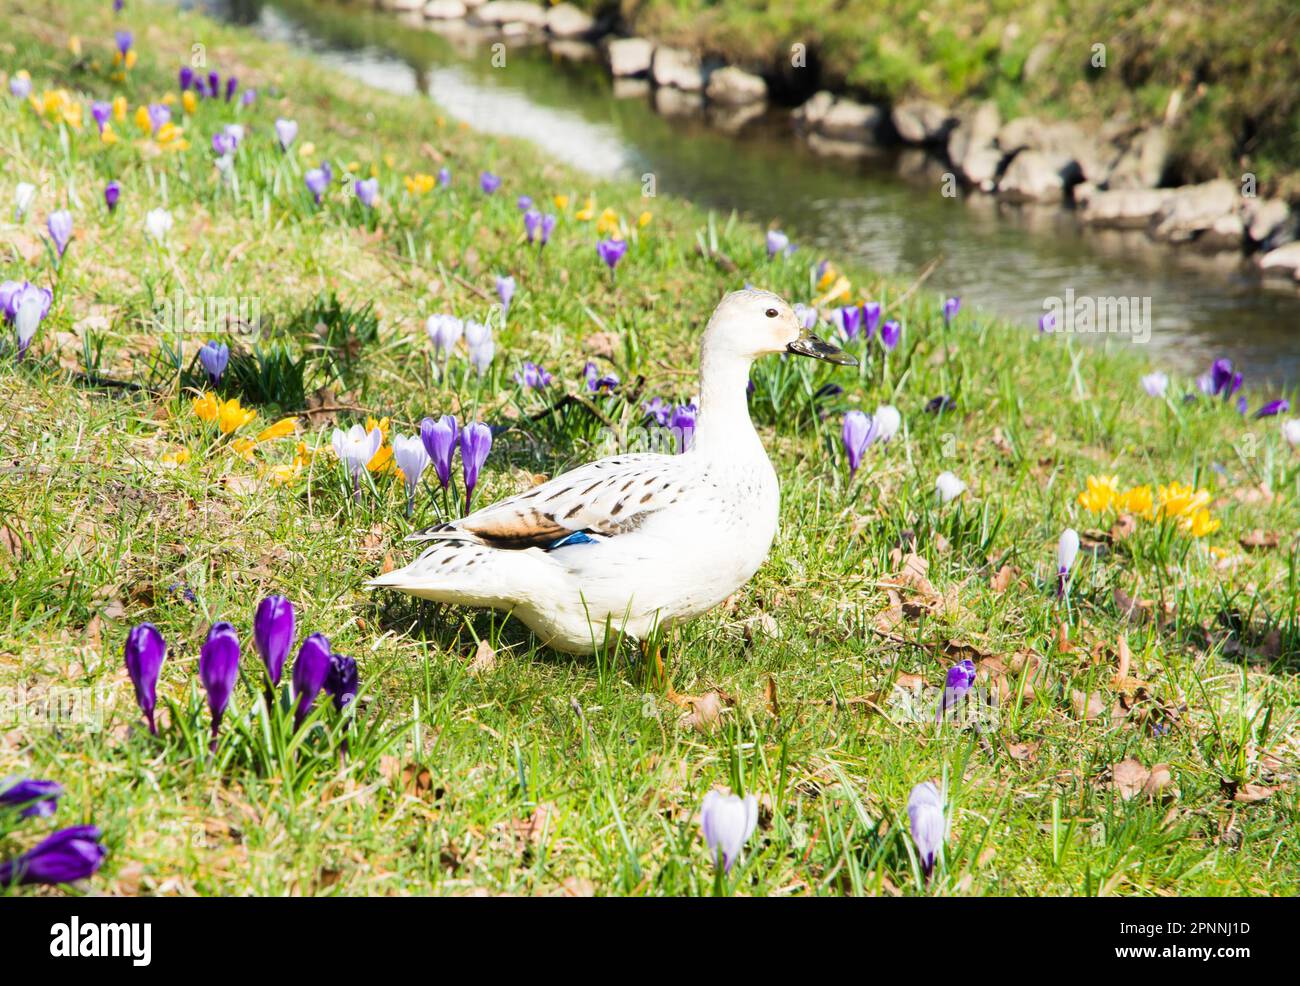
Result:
x=634 y=541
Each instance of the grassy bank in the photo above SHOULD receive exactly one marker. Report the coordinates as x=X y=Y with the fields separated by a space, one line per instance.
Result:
x=1232 y=67
x=1145 y=735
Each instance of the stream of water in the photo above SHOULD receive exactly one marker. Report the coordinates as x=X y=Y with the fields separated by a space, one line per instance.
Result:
x=886 y=211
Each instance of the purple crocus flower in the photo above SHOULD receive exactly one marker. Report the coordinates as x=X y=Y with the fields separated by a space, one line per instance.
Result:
x=682 y=424
x=214 y=84
x=232 y=84
x=488 y=182
x=1223 y=381
x=444 y=177
x=658 y=410
x=533 y=376
x=273 y=632
x=145 y=650
x=806 y=315
x=367 y=191
x=727 y=822
x=102 y=112
x=890 y=333
x=960 y=680
x=548 y=227
x=412 y=458
x=223 y=143
x=439 y=438
x=444 y=332
x=112 y=192
x=532 y=224
x=219 y=670
x=505 y=291
x=20 y=86
x=185 y=77
x=285 y=132
x=937 y=405
x=925 y=813
x=1046 y=322
x=1067 y=550
x=38 y=799
x=611 y=252
x=848 y=320
x=26 y=306
x=317 y=182
x=343 y=680
x=598 y=382
x=309 y=673
x=214 y=356
x=950 y=308
x=475 y=443
x=60 y=226
x=123 y=40
x=159 y=115
x=66 y=856
x=777 y=242
x=1156 y=383
x=482 y=347
x=249 y=97
x=524 y=203
x=1273 y=408
x=855 y=435
x=870 y=318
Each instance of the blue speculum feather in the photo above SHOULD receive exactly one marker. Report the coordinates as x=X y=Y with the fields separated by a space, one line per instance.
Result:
x=577 y=537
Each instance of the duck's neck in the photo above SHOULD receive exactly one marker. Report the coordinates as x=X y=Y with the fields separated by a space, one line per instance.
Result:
x=722 y=426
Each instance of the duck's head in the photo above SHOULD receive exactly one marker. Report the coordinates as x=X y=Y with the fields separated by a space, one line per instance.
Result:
x=751 y=323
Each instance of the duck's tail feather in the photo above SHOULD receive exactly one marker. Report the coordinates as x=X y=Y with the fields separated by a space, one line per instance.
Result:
x=469 y=573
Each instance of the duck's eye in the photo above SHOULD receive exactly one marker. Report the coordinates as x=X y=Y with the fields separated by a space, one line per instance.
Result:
x=771 y=313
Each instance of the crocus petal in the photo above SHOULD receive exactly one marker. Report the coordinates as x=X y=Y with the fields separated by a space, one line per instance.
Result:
x=273 y=633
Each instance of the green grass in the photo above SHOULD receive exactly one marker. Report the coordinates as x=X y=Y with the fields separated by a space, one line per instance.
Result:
x=547 y=773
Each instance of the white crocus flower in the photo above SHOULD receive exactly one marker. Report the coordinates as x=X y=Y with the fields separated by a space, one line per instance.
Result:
x=949 y=487
x=158 y=223
x=24 y=194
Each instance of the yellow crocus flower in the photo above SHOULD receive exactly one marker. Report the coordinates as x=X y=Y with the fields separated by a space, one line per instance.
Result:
x=382 y=461
x=106 y=135
x=282 y=428
x=1100 y=493
x=561 y=202
x=306 y=149
x=231 y=417
x=643 y=220
x=206 y=407
x=243 y=447
x=1201 y=524
x=142 y=120
x=176 y=458
x=1137 y=501
x=1180 y=500
x=74 y=45
x=119 y=109
x=587 y=211
x=189 y=101
x=608 y=221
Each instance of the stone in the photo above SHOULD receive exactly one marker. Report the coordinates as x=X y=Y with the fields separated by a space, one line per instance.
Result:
x=629 y=56
x=972 y=146
x=571 y=50
x=626 y=88
x=1123 y=208
x=1192 y=210
x=1141 y=164
x=677 y=68
x=403 y=6
x=1228 y=232
x=735 y=87
x=1032 y=176
x=671 y=101
x=1269 y=222
x=1284 y=260
x=920 y=121
x=835 y=147
x=564 y=20
x=732 y=118
x=445 y=10
x=501 y=12
x=849 y=120
x=811 y=112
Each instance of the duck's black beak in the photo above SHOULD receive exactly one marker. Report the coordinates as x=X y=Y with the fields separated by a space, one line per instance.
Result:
x=809 y=345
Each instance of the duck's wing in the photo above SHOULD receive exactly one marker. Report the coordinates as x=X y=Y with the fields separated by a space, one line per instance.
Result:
x=604 y=498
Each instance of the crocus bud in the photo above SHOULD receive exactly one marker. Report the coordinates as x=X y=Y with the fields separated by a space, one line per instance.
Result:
x=145 y=650
x=67 y=855
x=848 y=320
x=273 y=633
x=856 y=430
x=1067 y=549
x=342 y=680
x=488 y=182
x=214 y=357
x=444 y=332
x=112 y=193
x=412 y=458
x=285 y=132
x=219 y=670
x=475 y=443
x=158 y=223
x=1156 y=383
x=309 y=674
x=890 y=333
x=948 y=486
x=727 y=822
x=317 y=181
x=885 y=423
x=60 y=227
x=356 y=446
x=24 y=194
x=439 y=439
x=959 y=681
x=870 y=318
x=925 y=813
x=505 y=291
x=367 y=191
x=950 y=309
x=38 y=799
x=777 y=242
x=1291 y=432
